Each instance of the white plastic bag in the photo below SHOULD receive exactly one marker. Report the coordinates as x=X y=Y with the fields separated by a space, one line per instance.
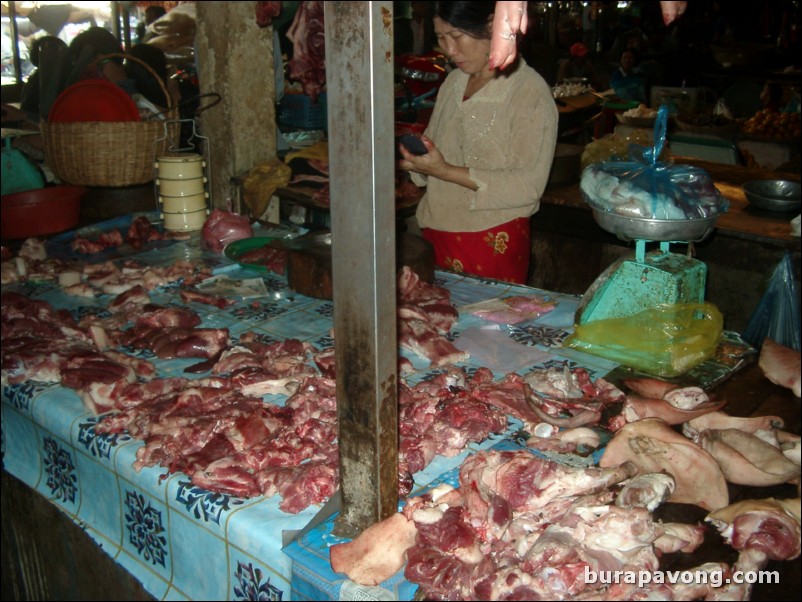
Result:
x=722 y=109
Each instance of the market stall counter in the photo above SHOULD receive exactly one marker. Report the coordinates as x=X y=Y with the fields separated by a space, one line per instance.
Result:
x=156 y=523
x=185 y=533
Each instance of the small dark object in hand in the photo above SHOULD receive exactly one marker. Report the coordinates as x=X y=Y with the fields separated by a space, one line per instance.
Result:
x=413 y=144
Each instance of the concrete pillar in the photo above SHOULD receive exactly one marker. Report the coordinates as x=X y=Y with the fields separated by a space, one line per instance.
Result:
x=235 y=60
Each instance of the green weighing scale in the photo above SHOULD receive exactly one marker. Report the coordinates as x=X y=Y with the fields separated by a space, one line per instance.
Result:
x=631 y=285
x=663 y=292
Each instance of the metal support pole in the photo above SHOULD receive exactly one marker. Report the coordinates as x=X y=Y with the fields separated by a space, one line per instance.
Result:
x=359 y=86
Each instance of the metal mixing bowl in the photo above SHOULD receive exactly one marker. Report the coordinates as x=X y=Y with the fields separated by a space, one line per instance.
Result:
x=658 y=230
x=774 y=195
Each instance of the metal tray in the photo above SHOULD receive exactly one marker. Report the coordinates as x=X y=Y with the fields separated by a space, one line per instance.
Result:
x=773 y=195
x=658 y=230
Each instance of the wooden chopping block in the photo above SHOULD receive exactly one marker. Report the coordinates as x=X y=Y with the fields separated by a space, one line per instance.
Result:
x=309 y=270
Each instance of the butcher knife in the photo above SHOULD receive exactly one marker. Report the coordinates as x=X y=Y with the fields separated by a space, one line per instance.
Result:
x=302 y=243
x=331 y=506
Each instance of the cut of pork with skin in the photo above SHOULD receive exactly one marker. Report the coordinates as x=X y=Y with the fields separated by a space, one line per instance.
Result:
x=529 y=485
x=781 y=365
x=647 y=490
x=193 y=296
x=769 y=525
x=567 y=397
x=136 y=295
x=745 y=459
x=636 y=408
x=680 y=537
x=378 y=553
x=653 y=446
x=654 y=388
x=33 y=249
x=760 y=530
x=687 y=398
x=424 y=340
x=720 y=420
x=570 y=440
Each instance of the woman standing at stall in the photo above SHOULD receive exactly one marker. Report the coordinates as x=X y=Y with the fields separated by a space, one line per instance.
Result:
x=490 y=146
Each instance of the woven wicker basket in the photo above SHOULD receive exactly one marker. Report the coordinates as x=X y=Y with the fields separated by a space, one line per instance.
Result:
x=106 y=153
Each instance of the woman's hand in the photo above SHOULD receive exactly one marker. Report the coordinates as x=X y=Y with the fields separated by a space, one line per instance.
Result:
x=509 y=20
x=672 y=11
x=433 y=164
x=429 y=164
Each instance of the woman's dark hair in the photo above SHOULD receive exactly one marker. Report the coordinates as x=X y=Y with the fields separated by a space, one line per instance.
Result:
x=155 y=58
x=472 y=18
x=154 y=13
x=44 y=42
x=98 y=40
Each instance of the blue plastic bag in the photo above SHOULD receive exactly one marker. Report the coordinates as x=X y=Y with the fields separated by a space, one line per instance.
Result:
x=777 y=314
x=644 y=187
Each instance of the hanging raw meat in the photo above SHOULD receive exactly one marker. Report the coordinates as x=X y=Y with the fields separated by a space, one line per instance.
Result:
x=265 y=11
x=308 y=62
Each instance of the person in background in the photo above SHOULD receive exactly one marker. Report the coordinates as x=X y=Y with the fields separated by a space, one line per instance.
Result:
x=490 y=144
x=85 y=49
x=152 y=13
x=46 y=46
x=422 y=29
x=627 y=81
x=632 y=38
x=145 y=82
x=415 y=35
x=578 y=66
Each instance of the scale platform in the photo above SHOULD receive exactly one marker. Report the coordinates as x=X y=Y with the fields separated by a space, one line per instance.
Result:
x=630 y=286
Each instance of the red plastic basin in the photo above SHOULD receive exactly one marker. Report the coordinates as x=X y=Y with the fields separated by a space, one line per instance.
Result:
x=41 y=211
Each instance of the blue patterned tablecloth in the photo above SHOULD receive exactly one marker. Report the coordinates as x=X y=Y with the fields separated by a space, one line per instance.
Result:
x=180 y=541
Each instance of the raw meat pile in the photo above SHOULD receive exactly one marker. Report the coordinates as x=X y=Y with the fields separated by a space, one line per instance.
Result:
x=519 y=527
x=218 y=430
x=32 y=263
x=222 y=228
x=425 y=317
x=140 y=232
x=226 y=439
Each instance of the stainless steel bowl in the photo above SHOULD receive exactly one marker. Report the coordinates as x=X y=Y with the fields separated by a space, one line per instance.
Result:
x=774 y=195
x=658 y=230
